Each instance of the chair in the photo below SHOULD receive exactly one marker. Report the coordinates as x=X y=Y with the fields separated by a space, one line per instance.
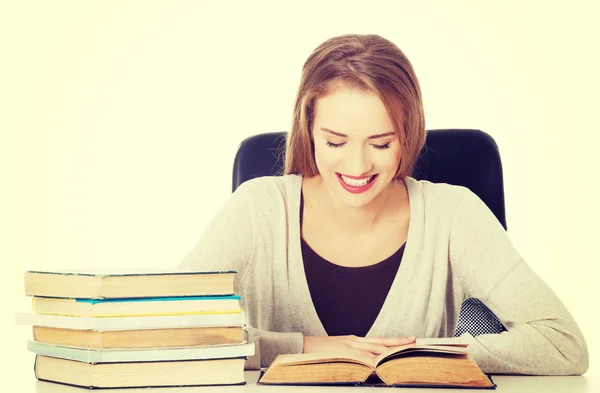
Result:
x=461 y=157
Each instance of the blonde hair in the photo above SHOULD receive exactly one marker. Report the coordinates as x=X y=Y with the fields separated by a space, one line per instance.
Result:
x=367 y=62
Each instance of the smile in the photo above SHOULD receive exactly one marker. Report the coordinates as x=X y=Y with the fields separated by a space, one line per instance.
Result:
x=356 y=185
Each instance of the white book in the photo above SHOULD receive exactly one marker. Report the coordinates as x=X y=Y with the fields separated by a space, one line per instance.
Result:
x=139 y=374
x=131 y=323
x=142 y=355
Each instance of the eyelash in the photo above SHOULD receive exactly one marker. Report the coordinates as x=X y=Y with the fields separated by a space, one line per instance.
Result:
x=379 y=147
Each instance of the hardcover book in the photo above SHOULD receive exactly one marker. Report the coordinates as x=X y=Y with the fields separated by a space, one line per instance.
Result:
x=141 y=355
x=141 y=374
x=131 y=323
x=146 y=338
x=84 y=284
x=407 y=366
x=137 y=306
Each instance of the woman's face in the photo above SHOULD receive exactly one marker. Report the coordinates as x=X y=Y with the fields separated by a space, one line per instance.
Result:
x=357 y=151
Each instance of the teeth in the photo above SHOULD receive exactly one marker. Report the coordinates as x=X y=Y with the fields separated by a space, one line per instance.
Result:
x=356 y=182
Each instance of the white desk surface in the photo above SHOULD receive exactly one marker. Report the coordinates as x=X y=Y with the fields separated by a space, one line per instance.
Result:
x=21 y=378
x=506 y=384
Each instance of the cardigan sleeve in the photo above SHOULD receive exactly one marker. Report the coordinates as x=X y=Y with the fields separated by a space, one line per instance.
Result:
x=228 y=243
x=542 y=336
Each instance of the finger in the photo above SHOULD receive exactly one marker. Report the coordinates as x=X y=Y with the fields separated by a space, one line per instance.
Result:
x=362 y=353
x=371 y=347
x=388 y=341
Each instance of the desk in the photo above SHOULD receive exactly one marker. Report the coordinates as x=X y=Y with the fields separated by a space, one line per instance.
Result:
x=506 y=384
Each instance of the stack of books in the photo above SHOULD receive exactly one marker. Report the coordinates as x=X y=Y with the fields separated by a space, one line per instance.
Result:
x=136 y=329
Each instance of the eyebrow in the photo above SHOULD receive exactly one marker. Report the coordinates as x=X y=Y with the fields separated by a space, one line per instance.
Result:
x=376 y=136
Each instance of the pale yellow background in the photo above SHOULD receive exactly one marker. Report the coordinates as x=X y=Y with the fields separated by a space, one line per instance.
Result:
x=120 y=120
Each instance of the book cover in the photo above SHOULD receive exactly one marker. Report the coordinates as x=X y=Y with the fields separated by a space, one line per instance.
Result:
x=126 y=272
x=373 y=382
x=177 y=373
x=102 y=284
x=137 y=306
x=414 y=365
x=142 y=355
x=131 y=323
x=136 y=339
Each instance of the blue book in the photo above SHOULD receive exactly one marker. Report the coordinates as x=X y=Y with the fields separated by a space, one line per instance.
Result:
x=138 y=306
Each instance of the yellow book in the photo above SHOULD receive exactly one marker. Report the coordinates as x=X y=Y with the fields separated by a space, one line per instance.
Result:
x=138 y=307
x=97 y=284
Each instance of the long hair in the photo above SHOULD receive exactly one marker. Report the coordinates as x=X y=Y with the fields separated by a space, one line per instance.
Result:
x=367 y=62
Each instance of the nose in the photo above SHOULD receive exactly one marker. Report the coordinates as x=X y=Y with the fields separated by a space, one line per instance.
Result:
x=359 y=162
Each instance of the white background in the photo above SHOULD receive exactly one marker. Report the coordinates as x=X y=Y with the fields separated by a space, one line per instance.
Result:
x=120 y=120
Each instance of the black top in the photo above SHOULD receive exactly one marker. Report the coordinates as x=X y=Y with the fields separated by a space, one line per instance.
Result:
x=347 y=299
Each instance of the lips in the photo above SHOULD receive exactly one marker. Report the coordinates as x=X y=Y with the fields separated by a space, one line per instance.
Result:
x=356 y=185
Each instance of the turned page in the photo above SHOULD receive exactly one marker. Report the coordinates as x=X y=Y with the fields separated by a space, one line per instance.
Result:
x=322 y=357
x=439 y=347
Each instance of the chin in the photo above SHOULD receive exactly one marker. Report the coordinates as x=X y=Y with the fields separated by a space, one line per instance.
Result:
x=355 y=203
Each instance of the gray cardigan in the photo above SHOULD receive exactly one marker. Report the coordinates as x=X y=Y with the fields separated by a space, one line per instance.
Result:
x=455 y=249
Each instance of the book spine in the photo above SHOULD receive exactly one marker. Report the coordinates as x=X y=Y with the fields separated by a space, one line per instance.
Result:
x=35 y=367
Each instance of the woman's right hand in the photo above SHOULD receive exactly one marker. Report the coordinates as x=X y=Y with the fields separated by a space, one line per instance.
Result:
x=353 y=345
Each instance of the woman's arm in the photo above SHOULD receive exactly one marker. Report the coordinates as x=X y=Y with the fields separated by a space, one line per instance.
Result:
x=542 y=337
x=228 y=243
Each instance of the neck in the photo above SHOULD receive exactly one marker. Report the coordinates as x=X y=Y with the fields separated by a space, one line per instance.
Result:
x=366 y=217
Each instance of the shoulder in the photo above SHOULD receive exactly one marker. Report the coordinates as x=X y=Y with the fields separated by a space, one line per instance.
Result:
x=449 y=204
x=270 y=194
x=270 y=187
x=437 y=197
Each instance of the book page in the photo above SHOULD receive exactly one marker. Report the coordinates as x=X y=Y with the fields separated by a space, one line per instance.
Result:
x=322 y=357
x=392 y=351
x=439 y=348
x=446 y=341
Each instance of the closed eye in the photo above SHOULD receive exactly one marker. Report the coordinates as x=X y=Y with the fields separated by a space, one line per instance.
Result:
x=331 y=144
x=381 y=147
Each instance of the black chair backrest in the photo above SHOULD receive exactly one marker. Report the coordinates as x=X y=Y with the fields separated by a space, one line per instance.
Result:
x=467 y=158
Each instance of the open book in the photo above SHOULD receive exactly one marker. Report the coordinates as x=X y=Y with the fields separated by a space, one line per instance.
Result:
x=413 y=365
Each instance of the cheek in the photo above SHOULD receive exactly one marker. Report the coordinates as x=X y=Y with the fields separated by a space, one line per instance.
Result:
x=389 y=160
x=325 y=158
x=395 y=156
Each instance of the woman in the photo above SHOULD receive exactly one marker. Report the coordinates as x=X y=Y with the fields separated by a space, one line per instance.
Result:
x=346 y=251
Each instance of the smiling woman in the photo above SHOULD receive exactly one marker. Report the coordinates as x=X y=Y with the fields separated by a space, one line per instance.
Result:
x=365 y=157
x=347 y=253
x=380 y=80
